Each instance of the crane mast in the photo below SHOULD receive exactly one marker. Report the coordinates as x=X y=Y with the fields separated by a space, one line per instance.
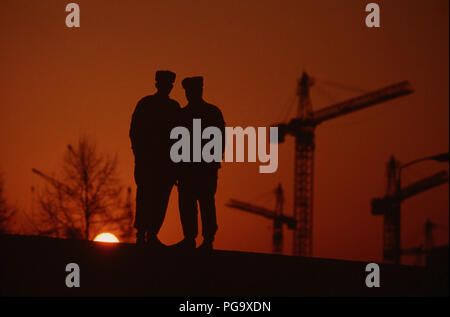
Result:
x=303 y=173
x=277 y=238
x=392 y=218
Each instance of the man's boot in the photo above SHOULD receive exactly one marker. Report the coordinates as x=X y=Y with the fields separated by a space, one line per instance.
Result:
x=154 y=243
x=206 y=246
x=140 y=237
x=185 y=244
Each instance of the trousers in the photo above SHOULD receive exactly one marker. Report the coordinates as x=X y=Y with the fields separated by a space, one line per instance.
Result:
x=152 y=197
x=197 y=188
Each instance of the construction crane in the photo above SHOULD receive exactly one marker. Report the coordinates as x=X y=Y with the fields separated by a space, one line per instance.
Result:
x=422 y=250
x=276 y=215
x=303 y=129
x=51 y=180
x=389 y=206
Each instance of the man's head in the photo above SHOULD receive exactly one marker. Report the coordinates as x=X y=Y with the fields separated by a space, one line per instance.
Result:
x=193 y=87
x=164 y=81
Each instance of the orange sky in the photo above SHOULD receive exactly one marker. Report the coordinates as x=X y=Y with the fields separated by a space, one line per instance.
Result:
x=57 y=83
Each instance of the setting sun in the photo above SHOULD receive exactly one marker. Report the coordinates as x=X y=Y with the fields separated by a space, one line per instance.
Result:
x=106 y=237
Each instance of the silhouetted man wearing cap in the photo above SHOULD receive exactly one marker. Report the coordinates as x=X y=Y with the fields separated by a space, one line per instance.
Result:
x=154 y=172
x=198 y=180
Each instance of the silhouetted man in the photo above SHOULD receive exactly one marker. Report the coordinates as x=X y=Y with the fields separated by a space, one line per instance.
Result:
x=154 y=173
x=198 y=180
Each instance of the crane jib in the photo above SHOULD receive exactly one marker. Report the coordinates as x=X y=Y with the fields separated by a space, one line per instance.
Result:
x=361 y=102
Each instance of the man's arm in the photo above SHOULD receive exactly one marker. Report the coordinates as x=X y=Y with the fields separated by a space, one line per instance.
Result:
x=221 y=126
x=136 y=127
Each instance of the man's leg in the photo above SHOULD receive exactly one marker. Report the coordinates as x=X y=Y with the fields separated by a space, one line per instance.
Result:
x=141 y=218
x=209 y=218
x=208 y=209
x=142 y=210
x=187 y=204
x=159 y=198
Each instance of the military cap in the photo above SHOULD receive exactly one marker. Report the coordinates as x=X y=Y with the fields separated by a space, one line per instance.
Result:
x=192 y=82
x=165 y=75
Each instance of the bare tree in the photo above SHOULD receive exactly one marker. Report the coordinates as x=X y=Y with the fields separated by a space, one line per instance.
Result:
x=126 y=227
x=86 y=197
x=6 y=211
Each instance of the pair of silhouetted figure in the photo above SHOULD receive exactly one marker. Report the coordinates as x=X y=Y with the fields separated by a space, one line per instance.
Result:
x=155 y=173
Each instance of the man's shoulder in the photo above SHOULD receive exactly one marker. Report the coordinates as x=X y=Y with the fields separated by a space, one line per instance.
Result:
x=214 y=110
x=145 y=100
x=174 y=102
x=185 y=112
x=150 y=99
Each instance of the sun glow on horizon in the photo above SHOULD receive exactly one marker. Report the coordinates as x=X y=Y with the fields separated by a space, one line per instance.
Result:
x=106 y=237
